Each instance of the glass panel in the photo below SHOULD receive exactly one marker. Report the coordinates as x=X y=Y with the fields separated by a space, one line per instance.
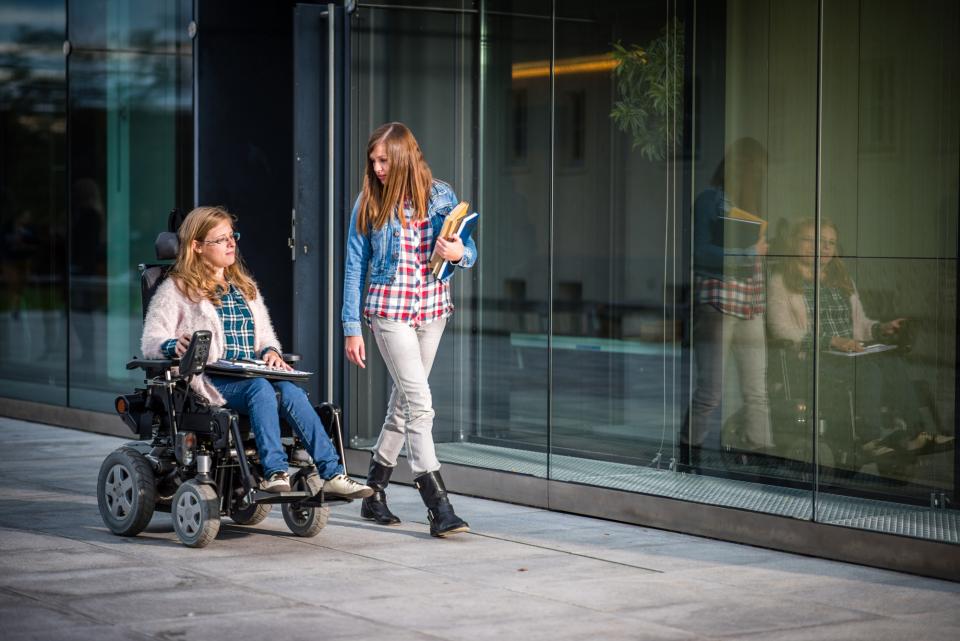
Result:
x=420 y=67
x=120 y=24
x=402 y=5
x=415 y=67
x=616 y=277
x=890 y=199
x=125 y=109
x=512 y=377
x=753 y=143
x=33 y=319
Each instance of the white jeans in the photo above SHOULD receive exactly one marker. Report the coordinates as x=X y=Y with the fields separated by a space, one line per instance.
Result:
x=717 y=337
x=408 y=353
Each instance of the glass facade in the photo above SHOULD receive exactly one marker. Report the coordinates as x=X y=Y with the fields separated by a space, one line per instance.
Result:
x=101 y=139
x=33 y=202
x=718 y=248
x=718 y=240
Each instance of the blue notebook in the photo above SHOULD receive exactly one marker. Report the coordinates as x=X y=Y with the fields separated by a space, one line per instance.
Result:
x=467 y=225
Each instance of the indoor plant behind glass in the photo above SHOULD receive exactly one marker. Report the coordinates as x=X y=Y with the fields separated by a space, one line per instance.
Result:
x=649 y=82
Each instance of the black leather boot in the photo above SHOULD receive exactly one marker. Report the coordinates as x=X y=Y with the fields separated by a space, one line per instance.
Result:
x=375 y=507
x=443 y=520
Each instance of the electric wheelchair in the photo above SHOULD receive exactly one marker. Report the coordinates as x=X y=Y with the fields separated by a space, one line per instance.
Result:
x=841 y=430
x=197 y=461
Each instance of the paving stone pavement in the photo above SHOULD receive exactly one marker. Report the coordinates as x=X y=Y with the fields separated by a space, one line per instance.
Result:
x=522 y=574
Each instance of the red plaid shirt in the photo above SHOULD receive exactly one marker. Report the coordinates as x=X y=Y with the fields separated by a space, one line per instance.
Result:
x=415 y=296
x=743 y=298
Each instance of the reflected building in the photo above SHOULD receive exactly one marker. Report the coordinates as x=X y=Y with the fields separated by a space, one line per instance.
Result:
x=600 y=360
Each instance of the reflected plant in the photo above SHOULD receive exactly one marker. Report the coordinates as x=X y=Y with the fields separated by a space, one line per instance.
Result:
x=649 y=85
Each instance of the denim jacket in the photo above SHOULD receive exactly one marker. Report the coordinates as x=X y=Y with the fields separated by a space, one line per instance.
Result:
x=379 y=251
x=710 y=258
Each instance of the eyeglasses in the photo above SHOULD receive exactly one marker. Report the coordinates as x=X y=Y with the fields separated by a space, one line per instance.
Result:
x=824 y=242
x=235 y=236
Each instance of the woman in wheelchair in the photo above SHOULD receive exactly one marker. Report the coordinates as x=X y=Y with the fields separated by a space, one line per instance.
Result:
x=208 y=288
x=887 y=404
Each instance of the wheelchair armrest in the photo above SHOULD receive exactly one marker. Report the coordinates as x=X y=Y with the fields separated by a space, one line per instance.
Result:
x=291 y=358
x=152 y=363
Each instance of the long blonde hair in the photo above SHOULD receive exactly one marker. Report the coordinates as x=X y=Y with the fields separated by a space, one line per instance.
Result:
x=835 y=273
x=190 y=273
x=409 y=177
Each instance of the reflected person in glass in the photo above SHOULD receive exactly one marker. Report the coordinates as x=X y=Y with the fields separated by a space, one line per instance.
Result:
x=888 y=407
x=209 y=288
x=729 y=302
x=393 y=234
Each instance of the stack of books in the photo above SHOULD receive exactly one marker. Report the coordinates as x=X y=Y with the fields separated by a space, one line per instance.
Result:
x=458 y=222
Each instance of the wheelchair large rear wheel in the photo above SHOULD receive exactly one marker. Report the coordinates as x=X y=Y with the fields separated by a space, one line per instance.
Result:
x=196 y=514
x=252 y=514
x=799 y=455
x=126 y=492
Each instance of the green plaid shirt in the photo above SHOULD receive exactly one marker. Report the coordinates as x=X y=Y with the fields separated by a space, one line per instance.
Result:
x=836 y=316
x=238 y=331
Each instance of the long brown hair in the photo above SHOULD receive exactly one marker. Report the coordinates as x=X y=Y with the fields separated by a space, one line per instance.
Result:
x=409 y=177
x=834 y=274
x=190 y=273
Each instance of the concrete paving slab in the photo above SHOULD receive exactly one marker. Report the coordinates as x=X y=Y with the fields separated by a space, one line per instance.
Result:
x=876 y=630
x=523 y=573
x=741 y=613
x=203 y=597
x=297 y=625
x=883 y=599
x=572 y=627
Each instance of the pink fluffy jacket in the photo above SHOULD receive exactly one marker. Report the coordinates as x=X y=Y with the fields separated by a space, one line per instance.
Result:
x=787 y=313
x=172 y=314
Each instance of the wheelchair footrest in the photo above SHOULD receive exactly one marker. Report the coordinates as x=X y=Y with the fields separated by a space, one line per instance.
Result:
x=259 y=496
x=320 y=500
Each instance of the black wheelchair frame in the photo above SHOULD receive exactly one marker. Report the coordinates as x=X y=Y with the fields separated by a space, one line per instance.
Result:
x=198 y=461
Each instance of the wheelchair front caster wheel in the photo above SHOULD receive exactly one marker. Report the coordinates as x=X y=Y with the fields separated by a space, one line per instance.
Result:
x=252 y=514
x=305 y=521
x=196 y=514
x=126 y=492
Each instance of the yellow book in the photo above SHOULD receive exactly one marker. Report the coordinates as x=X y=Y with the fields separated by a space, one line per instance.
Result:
x=742 y=214
x=450 y=225
x=738 y=229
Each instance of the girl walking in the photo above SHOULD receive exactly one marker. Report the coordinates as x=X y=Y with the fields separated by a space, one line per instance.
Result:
x=393 y=234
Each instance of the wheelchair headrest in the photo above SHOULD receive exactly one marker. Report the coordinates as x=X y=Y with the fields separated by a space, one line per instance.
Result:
x=167 y=244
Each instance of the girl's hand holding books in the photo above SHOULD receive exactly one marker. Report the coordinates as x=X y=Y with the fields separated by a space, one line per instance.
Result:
x=449 y=248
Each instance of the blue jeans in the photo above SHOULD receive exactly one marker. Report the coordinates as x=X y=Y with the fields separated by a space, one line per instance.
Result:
x=257 y=398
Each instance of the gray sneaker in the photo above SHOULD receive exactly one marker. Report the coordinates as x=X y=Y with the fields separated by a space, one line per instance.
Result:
x=344 y=486
x=278 y=482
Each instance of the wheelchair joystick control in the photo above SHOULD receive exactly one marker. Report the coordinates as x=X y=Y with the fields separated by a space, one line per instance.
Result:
x=195 y=358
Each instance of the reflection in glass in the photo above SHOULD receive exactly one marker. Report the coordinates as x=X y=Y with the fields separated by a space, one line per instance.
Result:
x=125 y=109
x=616 y=329
x=33 y=319
x=748 y=425
x=156 y=27
x=729 y=305
x=512 y=376
x=890 y=201
x=402 y=61
x=649 y=312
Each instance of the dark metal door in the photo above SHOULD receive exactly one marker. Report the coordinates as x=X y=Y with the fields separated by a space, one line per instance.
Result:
x=319 y=108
